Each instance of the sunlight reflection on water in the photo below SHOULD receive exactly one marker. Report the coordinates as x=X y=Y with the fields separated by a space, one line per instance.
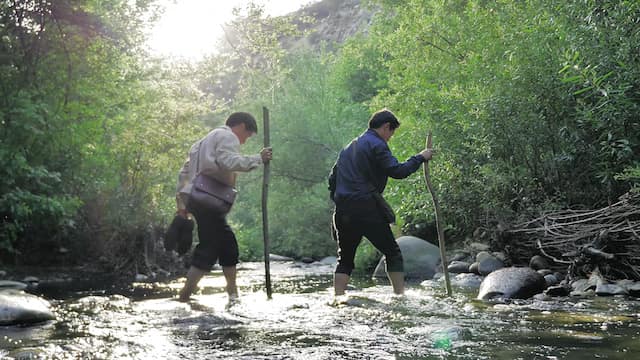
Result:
x=304 y=321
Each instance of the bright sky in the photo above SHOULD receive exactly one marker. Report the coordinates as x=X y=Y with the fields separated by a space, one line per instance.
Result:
x=191 y=28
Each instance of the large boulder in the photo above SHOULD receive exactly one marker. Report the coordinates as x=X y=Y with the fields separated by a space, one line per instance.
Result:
x=18 y=307
x=420 y=257
x=511 y=283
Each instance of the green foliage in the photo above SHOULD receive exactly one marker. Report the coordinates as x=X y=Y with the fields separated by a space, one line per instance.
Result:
x=309 y=125
x=533 y=105
x=91 y=130
x=631 y=175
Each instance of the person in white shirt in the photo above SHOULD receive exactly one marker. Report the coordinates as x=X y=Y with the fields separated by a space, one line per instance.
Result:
x=217 y=155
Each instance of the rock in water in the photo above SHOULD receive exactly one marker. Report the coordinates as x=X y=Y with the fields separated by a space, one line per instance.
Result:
x=18 y=307
x=420 y=257
x=457 y=267
x=8 y=284
x=512 y=283
x=489 y=264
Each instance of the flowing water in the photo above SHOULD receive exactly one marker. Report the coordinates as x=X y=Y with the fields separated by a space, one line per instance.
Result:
x=304 y=321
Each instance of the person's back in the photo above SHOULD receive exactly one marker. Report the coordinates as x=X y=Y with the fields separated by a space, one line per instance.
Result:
x=356 y=183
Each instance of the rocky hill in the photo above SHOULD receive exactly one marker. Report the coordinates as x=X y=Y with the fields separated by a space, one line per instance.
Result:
x=334 y=21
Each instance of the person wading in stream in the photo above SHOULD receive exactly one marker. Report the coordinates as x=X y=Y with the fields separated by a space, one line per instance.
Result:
x=217 y=155
x=356 y=183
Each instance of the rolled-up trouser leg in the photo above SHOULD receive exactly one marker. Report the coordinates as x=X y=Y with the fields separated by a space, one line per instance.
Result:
x=217 y=241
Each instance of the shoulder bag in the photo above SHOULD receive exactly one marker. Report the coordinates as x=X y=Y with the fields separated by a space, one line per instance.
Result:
x=209 y=193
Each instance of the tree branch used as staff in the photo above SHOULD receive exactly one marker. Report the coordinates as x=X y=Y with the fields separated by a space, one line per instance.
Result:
x=436 y=205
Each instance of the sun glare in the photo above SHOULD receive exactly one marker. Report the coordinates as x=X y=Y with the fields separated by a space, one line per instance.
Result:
x=190 y=29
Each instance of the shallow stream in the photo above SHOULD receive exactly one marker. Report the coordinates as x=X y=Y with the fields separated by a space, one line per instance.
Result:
x=303 y=321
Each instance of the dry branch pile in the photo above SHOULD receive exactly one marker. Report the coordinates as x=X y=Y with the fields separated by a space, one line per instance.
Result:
x=607 y=239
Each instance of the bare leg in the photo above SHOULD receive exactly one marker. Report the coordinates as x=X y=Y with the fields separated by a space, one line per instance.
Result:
x=193 y=277
x=340 y=282
x=230 y=275
x=397 y=281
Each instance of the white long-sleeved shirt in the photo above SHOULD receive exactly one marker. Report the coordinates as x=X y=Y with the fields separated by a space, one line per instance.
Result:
x=216 y=155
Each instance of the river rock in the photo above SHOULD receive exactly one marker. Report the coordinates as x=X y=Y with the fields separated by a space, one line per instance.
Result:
x=473 y=268
x=544 y=272
x=551 y=280
x=538 y=262
x=457 y=267
x=274 y=257
x=582 y=285
x=460 y=256
x=582 y=288
x=511 y=283
x=329 y=260
x=421 y=258
x=8 y=284
x=557 y=290
x=489 y=264
x=500 y=256
x=604 y=289
x=30 y=279
x=634 y=289
x=29 y=353
x=483 y=255
x=18 y=307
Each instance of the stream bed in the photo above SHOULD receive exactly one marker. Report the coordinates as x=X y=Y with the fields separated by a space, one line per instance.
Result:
x=304 y=321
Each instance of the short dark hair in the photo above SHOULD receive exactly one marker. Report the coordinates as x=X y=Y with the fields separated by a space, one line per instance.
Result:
x=245 y=118
x=382 y=117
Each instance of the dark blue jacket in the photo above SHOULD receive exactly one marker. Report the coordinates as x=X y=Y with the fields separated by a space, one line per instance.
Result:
x=364 y=166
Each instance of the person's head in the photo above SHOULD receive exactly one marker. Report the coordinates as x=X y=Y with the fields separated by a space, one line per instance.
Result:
x=243 y=125
x=384 y=122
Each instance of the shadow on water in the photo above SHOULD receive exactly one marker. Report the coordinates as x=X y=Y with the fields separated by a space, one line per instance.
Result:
x=304 y=321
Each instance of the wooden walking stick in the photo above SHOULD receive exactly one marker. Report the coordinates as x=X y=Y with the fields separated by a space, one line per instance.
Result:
x=265 y=192
x=436 y=206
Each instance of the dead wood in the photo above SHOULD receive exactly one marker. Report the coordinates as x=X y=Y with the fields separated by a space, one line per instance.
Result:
x=583 y=240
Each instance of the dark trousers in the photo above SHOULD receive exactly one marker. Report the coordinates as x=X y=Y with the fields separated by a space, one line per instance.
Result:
x=217 y=240
x=351 y=225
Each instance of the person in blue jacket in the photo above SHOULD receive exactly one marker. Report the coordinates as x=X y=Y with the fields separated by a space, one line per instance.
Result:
x=356 y=183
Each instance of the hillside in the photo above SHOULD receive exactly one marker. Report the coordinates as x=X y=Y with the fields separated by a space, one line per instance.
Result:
x=335 y=21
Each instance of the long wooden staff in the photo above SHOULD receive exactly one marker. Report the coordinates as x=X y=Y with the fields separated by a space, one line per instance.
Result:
x=436 y=206
x=265 y=192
